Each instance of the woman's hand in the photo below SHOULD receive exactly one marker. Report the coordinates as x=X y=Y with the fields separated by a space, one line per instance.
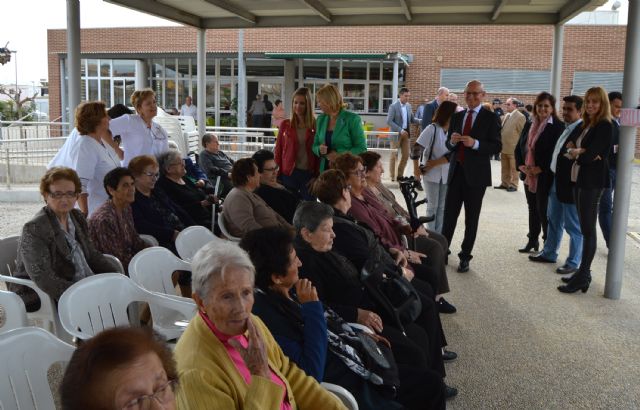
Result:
x=306 y=291
x=421 y=232
x=397 y=254
x=414 y=257
x=523 y=169
x=255 y=355
x=408 y=274
x=322 y=149
x=370 y=319
x=332 y=156
x=535 y=171
x=200 y=183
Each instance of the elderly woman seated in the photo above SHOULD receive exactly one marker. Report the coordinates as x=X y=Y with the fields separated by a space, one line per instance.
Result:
x=55 y=249
x=279 y=198
x=111 y=226
x=182 y=190
x=154 y=213
x=366 y=208
x=243 y=210
x=227 y=358
x=120 y=368
x=296 y=319
x=416 y=343
x=424 y=241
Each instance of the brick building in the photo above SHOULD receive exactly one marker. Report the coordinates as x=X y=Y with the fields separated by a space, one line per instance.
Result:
x=510 y=60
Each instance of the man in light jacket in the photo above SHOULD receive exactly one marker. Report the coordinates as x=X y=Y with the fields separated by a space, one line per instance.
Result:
x=399 y=119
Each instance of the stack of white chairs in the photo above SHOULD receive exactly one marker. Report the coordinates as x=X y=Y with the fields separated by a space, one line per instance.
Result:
x=100 y=302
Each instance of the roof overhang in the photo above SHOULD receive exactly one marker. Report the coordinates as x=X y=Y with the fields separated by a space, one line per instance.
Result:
x=216 y=14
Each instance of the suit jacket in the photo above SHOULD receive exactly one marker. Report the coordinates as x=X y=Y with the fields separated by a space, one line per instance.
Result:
x=45 y=257
x=511 y=129
x=594 y=162
x=613 y=156
x=564 y=186
x=427 y=114
x=544 y=151
x=348 y=135
x=394 y=116
x=477 y=163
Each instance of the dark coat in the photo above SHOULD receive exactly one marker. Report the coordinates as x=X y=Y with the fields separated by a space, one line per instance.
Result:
x=45 y=257
x=564 y=186
x=477 y=163
x=594 y=163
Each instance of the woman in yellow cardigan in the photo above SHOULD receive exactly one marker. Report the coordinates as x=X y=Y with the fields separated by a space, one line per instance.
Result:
x=337 y=130
x=227 y=358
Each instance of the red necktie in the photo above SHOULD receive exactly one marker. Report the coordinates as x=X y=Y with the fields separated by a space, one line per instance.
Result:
x=466 y=130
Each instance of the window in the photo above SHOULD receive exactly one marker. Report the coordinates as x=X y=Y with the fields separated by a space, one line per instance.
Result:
x=105 y=92
x=124 y=68
x=374 y=97
x=314 y=69
x=583 y=80
x=497 y=81
x=354 y=70
x=353 y=95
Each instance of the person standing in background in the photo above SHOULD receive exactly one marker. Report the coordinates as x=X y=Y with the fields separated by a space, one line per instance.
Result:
x=606 y=201
x=399 y=119
x=189 y=109
x=512 y=126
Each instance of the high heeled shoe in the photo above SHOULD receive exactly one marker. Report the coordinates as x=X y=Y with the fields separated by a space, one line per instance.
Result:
x=576 y=284
x=529 y=246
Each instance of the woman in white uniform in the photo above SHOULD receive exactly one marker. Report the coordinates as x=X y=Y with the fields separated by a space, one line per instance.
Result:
x=95 y=156
x=140 y=136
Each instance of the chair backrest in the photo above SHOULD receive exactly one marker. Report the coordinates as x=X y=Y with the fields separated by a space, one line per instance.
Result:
x=149 y=239
x=171 y=125
x=187 y=123
x=223 y=229
x=25 y=357
x=191 y=239
x=151 y=268
x=100 y=302
x=116 y=261
x=13 y=314
x=8 y=254
x=343 y=394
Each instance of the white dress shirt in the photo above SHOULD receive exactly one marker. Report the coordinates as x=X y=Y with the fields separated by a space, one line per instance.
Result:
x=94 y=160
x=189 y=110
x=560 y=143
x=137 y=138
x=404 y=116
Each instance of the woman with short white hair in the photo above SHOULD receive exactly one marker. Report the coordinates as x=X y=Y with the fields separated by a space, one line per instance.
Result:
x=227 y=358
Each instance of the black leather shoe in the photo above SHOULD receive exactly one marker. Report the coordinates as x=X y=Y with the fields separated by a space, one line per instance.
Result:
x=567 y=279
x=530 y=246
x=575 y=284
x=566 y=270
x=464 y=266
x=499 y=187
x=450 y=392
x=540 y=258
x=445 y=307
x=448 y=356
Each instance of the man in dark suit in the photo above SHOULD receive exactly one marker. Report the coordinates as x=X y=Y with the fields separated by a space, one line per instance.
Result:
x=474 y=137
x=606 y=200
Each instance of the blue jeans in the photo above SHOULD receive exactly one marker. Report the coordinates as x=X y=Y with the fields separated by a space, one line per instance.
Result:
x=606 y=207
x=562 y=216
x=436 y=193
x=298 y=182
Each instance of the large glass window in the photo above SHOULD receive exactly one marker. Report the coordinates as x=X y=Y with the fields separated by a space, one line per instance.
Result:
x=92 y=68
x=354 y=70
x=105 y=92
x=374 y=97
x=353 y=95
x=124 y=68
x=314 y=69
x=93 y=90
x=183 y=68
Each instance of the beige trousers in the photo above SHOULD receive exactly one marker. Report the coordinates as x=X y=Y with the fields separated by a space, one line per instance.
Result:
x=403 y=144
x=509 y=171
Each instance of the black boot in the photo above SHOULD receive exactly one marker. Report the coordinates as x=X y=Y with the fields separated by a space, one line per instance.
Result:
x=529 y=246
x=579 y=281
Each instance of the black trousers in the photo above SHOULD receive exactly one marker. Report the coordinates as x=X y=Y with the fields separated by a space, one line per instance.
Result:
x=435 y=246
x=460 y=193
x=537 y=217
x=587 y=205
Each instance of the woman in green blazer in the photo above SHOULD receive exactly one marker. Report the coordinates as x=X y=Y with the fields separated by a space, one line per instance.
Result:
x=337 y=130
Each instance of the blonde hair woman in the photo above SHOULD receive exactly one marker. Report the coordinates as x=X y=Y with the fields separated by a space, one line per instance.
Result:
x=141 y=136
x=590 y=173
x=338 y=130
x=293 y=154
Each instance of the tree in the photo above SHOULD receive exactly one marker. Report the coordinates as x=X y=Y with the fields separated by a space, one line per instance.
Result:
x=16 y=98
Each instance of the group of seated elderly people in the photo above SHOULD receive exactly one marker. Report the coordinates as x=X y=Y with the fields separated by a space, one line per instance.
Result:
x=319 y=276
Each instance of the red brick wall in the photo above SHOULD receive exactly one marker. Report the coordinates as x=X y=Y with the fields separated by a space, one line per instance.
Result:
x=586 y=48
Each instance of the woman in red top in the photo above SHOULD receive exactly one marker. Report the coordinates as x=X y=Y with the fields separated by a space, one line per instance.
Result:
x=298 y=165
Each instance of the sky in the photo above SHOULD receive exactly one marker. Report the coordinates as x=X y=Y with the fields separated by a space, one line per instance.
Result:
x=27 y=33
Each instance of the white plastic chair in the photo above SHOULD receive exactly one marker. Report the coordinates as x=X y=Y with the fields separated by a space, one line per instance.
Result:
x=151 y=240
x=151 y=269
x=343 y=394
x=26 y=355
x=100 y=302
x=223 y=229
x=13 y=314
x=47 y=312
x=8 y=254
x=191 y=239
x=116 y=261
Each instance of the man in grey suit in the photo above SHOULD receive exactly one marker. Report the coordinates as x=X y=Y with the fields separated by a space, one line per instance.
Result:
x=399 y=119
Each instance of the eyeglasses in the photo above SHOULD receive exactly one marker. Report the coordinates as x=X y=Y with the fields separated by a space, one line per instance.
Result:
x=271 y=169
x=152 y=175
x=60 y=195
x=362 y=173
x=163 y=395
x=348 y=188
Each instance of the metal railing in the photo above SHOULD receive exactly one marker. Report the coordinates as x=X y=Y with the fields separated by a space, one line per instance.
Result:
x=13 y=130
x=22 y=159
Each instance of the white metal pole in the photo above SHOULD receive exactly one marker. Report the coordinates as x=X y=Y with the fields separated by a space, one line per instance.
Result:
x=202 y=69
x=630 y=94
x=394 y=86
x=556 y=71
x=242 y=82
x=73 y=56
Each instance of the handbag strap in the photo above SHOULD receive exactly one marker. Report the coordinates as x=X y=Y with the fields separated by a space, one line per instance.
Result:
x=433 y=141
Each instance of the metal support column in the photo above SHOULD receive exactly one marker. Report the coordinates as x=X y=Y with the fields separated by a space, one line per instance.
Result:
x=73 y=56
x=242 y=82
x=394 y=86
x=217 y=93
x=142 y=74
x=64 y=102
x=630 y=94
x=201 y=82
x=556 y=69
x=289 y=84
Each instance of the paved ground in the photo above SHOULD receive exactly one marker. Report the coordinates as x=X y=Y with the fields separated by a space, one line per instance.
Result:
x=522 y=344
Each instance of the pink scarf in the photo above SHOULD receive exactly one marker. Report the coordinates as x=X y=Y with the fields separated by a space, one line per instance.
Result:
x=530 y=160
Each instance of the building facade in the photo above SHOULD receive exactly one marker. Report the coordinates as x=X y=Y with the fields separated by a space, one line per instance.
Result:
x=510 y=60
